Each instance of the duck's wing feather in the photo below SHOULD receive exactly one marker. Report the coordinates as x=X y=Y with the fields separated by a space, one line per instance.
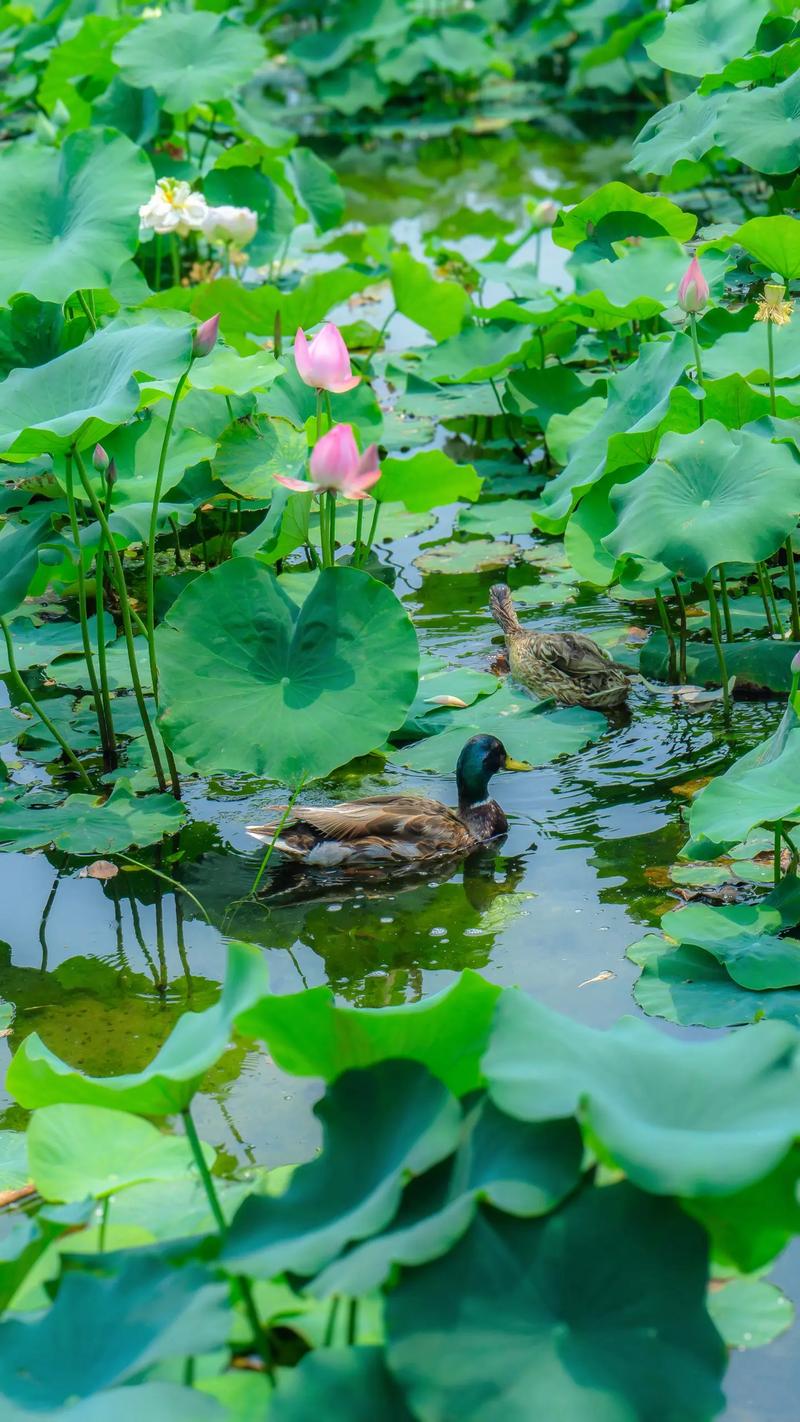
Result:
x=576 y=654
x=401 y=826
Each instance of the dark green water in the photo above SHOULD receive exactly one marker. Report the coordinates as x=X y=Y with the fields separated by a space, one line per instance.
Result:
x=102 y=970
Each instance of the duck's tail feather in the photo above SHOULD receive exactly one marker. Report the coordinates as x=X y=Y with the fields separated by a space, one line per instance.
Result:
x=501 y=606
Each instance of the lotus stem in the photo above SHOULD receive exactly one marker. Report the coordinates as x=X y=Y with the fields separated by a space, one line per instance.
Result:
x=373 y=528
x=99 y=708
x=699 y=365
x=259 y=1338
x=726 y=606
x=359 y=531
x=682 y=633
x=716 y=637
x=159 y=874
x=330 y=1323
x=157 y=277
x=176 y=260
x=352 y=1322
x=667 y=630
x=208 y=138
x=791 y=570
x=793 y=851
x=319 y=414
x=127 y=625
x=176 y=538
x=101 y=1243
x=29 y=699
x=150 y=550
x=329 y=411
x=771 y=367
x=768 y=599
x=87 y=311
x=102 y=666
x=776 y=857
x=271 y=846
x=331 y=500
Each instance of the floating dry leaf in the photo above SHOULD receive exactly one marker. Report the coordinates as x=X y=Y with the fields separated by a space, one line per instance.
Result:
x=690 y=787
x=445 y=701
x=100 y=869
x=602 y=977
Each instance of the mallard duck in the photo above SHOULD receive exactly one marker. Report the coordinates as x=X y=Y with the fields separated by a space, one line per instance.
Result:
x=565 y=665
x=400 y=828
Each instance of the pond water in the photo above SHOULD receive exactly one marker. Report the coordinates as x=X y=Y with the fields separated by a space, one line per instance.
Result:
x=102 y=969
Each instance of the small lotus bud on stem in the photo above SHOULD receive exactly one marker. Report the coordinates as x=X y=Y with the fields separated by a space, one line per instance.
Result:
x=545 y=213
x=99 y=458
x=205 y=337
x=693 y=292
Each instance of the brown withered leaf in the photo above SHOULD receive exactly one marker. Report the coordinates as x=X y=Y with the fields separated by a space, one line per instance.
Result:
x=100 y=869
x=601 y=977
x=690 y=787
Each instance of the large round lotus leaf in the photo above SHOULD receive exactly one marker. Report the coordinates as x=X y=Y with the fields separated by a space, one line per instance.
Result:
x=189 y=58
x=685 y=129
x=74 y=216
x=713 y=496
x=613 y=199
x=773 y=241
x=680 y=1118
x=761 y=126
x=89 y=390
x=158 y=1312
x=251 y=682
x=701 y=38
x=548 y=1318
x=380 y=1127
x=87 y=825
x=341 y=1385
x=688 y=986
x=76 y=1151
x=37 y=1077
x=760 y=788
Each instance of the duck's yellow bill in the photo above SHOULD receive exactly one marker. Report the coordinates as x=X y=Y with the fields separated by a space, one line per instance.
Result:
x=512 y=764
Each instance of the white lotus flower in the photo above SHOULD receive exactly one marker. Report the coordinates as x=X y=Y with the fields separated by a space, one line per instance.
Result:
x=230 y=224
x=173 y=208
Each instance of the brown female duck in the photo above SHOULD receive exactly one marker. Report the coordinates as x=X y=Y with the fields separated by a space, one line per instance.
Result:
x=400 y=828
x=565 y=665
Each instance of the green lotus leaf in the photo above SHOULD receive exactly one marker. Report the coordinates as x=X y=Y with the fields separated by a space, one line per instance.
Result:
x=309 y=1034
x=683 y=131
x=248 y=682
x=19 y=559
x=251 y=455
x=754 y=958
x=438 y=306
x=692 y=510
x=71 y=671
x=689 y=986
x=14 y=1171
x=35 y=646
x=760 y=788
x=477 y=353
x=632 y=1084
x=81 y=395
x=774 y=242
x=158 y=1401
x=79 y=1151
x=36 y=1077
x=159 y=1313
x=75 y=216
x=638 y=401
x=188 y=58
x=751 y=1227
x=522 y=1169
x=343 y=1384
x=228 y=373
x=479 y=555
x=745 y=352
x=136 y=450
x=290 y=399
x=427 y=480
x=318 y=188
x=644 y=280
x=536 y=1316
x=634 y=214
x=754 y=662
x=87 y=825
x=750 y=1312
x=285 y=528
x=761 y=126
x=249 y=312
x=407 y=1121
x=499 y=518
x=703 y=37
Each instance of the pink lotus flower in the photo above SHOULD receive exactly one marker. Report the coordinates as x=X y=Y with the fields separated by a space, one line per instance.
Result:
x=337 y=467
x=325 y=363
x=693 y=291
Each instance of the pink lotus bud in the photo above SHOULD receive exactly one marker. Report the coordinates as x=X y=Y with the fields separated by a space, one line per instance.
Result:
x=337 y=467
x=693 y=291
x=545 y=213
x=111 y=473
x=205 y=337
x=795 y=663
x=99 y=458
x=325 y=363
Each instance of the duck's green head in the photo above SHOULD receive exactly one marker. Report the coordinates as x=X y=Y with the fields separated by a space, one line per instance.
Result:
x=480 y=759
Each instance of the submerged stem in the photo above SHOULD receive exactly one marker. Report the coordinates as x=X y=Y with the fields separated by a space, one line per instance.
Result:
x=790 y=568
x=726 y=606
x=83 y=615
x=682 y=633
x=271 y=846
x=150 y=549
x=668 y=633
x=776 y=868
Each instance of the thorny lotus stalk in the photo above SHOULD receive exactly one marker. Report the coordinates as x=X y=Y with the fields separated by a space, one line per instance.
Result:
x=127 y=625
